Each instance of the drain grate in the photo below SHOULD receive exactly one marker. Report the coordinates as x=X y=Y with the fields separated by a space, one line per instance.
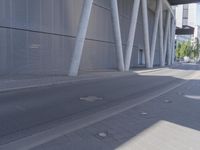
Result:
x=91 y=98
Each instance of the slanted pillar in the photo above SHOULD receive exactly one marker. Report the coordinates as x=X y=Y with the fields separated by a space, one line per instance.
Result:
x=169 y=52
x=117 y=34
x=166 y=34
x=173 y=40
x=162 y=64
x=155 y=30
x=131 y=37
x=80 y=39
x=146 y=33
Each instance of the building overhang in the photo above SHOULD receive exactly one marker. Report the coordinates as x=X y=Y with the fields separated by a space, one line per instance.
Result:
x=178 y=2
x=186 y=30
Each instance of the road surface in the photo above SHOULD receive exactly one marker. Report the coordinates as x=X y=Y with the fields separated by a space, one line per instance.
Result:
x=27 y=112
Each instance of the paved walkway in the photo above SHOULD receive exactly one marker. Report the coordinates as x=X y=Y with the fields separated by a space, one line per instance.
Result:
x=162 y=118
x=168 y=122
x=17 y=82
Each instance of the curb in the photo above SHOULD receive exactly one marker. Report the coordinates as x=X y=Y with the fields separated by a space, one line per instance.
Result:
x=71 y=81
x=150 y=70
x=78 y=79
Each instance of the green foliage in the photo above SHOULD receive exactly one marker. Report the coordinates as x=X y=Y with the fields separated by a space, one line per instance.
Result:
x=178 y=51
x=188 y=48
x=196 y=48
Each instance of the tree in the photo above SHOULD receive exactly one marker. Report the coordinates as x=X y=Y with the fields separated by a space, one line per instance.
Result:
x=188 y=48
x=196 y=48
x=178 y=55
x=184 y=49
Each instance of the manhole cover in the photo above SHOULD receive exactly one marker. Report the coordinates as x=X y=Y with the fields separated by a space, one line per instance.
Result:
x=167 y=101
x=102 y=134
x=144 y=113
x=91 y=98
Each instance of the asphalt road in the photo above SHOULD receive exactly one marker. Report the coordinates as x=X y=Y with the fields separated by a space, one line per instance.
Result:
x=25 y=112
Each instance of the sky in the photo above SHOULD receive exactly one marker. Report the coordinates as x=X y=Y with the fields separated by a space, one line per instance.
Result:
x=198 y=14
x=194 y=14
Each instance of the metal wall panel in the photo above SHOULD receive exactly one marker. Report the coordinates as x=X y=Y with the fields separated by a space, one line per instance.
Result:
x=38 y=36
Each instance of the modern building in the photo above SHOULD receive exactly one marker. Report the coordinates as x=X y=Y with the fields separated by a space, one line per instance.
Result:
x=67 y=36
x=188 y=17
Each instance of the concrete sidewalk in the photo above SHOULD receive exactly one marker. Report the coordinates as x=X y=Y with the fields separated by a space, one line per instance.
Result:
x=20 y=82
x=167 y=120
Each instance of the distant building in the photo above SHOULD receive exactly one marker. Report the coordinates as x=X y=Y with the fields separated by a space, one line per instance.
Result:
x=188 y=16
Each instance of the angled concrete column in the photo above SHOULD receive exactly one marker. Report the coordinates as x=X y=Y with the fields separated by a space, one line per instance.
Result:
x=155 y=30
x=166 y=34
x=117 y=33
x=173 y=41
x=172 y=38
x=146 y=33
x=80 y=39
x=169 y=50
x=162 y=64
x=131 y=37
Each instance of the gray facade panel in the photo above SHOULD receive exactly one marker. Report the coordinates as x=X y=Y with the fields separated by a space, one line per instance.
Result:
x=98 y=55
x=3 y=49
